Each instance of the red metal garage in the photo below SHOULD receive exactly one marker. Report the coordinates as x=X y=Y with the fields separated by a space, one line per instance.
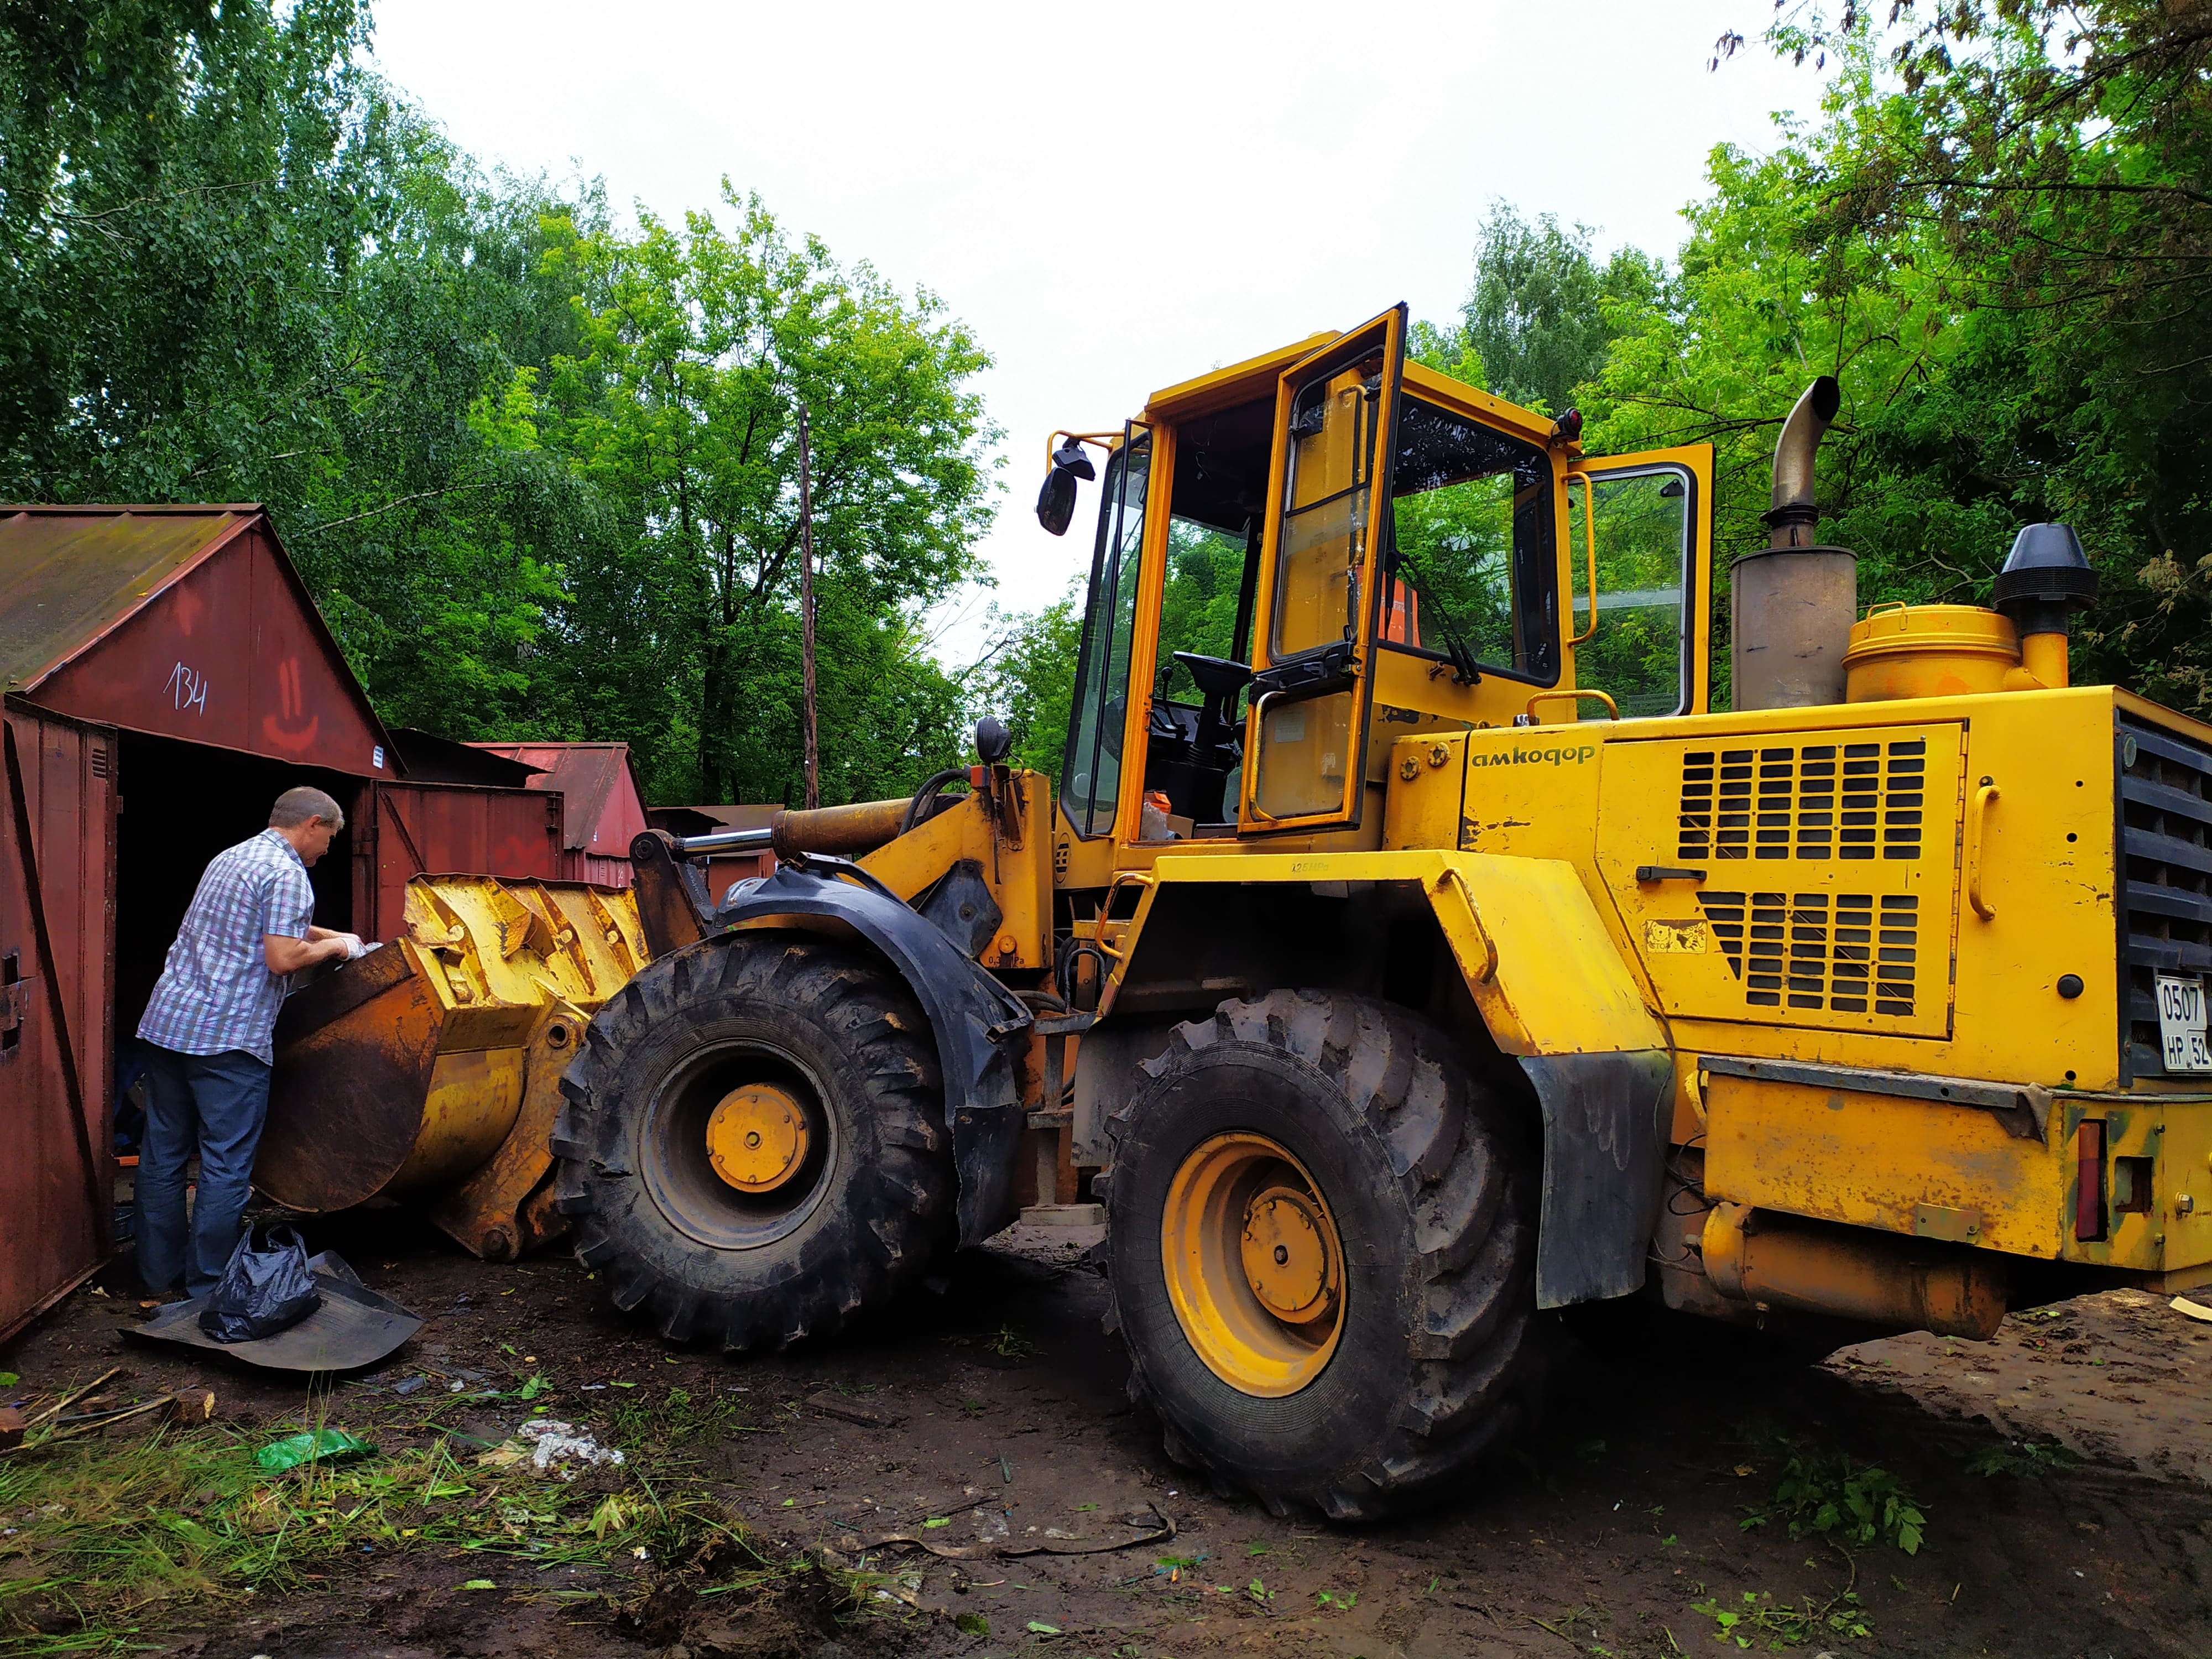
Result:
x=166 y=676
x=605 y=808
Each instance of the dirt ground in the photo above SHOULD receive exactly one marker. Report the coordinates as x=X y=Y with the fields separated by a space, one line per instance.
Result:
x=2064 y=1472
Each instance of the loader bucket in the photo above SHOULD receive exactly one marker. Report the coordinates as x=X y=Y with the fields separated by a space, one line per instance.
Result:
x=428 y=1072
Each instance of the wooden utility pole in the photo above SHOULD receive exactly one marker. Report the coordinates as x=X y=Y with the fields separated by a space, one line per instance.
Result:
x=807 y=613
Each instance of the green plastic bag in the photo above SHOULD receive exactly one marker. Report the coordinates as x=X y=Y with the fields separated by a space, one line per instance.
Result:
x=295 y=1449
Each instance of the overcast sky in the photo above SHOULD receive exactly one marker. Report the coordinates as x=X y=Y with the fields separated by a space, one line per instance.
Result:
x=1115 y=197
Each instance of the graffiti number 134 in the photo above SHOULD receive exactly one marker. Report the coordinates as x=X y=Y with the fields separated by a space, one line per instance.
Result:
x=188 y=688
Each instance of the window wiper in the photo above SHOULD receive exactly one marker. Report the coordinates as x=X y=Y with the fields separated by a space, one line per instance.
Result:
x=1464 y=671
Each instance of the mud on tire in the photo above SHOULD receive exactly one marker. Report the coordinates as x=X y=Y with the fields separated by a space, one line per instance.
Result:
x=1431 y=1180
x=860 y=1214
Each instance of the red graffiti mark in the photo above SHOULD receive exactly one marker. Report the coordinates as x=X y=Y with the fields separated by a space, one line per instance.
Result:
x=292 y=734
x=188 y=610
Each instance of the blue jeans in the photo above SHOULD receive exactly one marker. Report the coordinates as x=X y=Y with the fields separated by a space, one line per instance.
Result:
x=215 y=1103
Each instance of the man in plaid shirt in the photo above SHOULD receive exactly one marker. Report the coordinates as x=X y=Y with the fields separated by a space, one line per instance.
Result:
x=208 y=1034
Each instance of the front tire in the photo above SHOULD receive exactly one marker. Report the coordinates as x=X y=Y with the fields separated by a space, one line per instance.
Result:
x=752 y=1140
x=1356 y=1371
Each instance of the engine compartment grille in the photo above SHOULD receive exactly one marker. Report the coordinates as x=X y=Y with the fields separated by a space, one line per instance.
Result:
x=1822 y=800
x=1792 y=949
x=2164 y=788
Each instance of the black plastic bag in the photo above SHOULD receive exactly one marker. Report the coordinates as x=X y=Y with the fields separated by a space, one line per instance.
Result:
x=263 y=1291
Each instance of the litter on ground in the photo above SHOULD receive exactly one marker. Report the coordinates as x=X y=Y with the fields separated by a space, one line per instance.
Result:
x=550 y=1447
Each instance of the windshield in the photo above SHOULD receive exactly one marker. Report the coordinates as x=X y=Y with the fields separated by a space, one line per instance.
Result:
x=1473 y=557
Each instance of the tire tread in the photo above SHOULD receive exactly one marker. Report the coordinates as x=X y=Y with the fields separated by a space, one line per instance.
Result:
x=1447 y=1137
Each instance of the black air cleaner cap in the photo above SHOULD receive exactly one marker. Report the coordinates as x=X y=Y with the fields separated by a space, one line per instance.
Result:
x=2045 y=572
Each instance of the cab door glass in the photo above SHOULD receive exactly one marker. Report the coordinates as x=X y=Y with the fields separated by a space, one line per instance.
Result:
x=1306 y=754
x=1332 y=459
x=1637 y=651
x=1307 y=757
x=1093 y=765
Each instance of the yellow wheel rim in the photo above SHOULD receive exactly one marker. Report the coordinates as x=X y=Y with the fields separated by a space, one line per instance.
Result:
x=756 y=1137
x=1254 y=1268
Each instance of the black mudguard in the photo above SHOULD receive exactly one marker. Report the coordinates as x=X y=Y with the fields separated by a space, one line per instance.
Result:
x=977 y=1021
x=1605 y=1143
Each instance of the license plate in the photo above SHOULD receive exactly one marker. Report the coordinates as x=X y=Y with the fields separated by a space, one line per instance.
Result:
x=2181 y=1024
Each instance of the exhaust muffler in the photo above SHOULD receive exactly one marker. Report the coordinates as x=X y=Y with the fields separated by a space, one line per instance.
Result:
x=1793 y=602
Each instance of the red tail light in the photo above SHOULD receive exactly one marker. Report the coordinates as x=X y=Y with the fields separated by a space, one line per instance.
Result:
x=2089 y=1180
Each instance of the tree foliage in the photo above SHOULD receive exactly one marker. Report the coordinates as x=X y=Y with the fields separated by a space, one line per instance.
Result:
x=1998 y=234
x=1542 y=312
x=698 y=347
x=538 y=471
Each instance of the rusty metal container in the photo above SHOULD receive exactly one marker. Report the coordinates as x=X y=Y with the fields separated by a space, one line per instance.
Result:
x=1792 y=609
x=428 y=1072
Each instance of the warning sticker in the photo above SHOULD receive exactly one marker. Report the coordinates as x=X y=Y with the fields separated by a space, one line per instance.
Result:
x=1690 y=938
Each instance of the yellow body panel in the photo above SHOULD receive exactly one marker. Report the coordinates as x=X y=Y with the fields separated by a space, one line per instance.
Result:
x=1606 y=798
x=1534 y=952
x=1018 y=867
x=1811 y=935
x=1884 y=1161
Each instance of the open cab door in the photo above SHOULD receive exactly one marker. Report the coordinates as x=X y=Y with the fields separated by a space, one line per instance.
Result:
x=1305 y=736
x=1639 y=535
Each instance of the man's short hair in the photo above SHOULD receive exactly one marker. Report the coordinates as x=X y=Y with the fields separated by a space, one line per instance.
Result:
x=297 y=806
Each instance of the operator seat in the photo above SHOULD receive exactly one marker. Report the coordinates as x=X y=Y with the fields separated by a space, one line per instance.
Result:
x=1219 y=680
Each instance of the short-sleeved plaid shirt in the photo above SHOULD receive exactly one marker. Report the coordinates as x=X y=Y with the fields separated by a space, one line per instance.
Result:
x=216 y=992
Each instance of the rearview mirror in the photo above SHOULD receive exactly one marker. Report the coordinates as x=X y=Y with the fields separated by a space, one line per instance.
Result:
x=1056 y=507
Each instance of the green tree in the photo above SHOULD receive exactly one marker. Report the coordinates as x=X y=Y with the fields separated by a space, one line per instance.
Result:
x=1028 y=679
x=1997 y=234
x=1542 y=311
x=698 y=346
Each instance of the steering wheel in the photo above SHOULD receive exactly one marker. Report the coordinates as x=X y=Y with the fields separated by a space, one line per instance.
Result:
x=1219 y=680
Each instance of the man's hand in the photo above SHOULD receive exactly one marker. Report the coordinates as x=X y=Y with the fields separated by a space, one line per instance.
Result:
x=288 y=956
x=354 y=949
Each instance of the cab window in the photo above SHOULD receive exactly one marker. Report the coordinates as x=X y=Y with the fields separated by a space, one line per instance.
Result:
x=1092 y=769
x=1637 y=651
x=1473 y=567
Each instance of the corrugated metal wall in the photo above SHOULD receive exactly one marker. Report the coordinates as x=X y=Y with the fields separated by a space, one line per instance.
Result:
x=57 y=1042
x=608 y=872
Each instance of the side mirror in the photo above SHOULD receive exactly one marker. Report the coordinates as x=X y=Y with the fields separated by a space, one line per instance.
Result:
x=1056 y=507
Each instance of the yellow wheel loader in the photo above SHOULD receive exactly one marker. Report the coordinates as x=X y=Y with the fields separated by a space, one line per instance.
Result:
x=1412 y=957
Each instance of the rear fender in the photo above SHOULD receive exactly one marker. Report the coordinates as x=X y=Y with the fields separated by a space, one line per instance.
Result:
x=1558 y=1000
x=978 y=1023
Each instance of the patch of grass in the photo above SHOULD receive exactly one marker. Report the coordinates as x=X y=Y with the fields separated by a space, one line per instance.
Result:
x=676 y=1420
x=1010 y=1344
x=114 y=1532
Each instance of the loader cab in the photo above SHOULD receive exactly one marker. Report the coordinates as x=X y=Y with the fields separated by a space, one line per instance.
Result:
x=1301 y=559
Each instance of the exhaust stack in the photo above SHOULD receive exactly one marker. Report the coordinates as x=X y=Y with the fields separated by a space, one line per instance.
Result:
x=1794 y=601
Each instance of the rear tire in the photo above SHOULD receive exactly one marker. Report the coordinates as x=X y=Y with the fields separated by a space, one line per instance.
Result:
x=854 y=1191
x=1423 y=1182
